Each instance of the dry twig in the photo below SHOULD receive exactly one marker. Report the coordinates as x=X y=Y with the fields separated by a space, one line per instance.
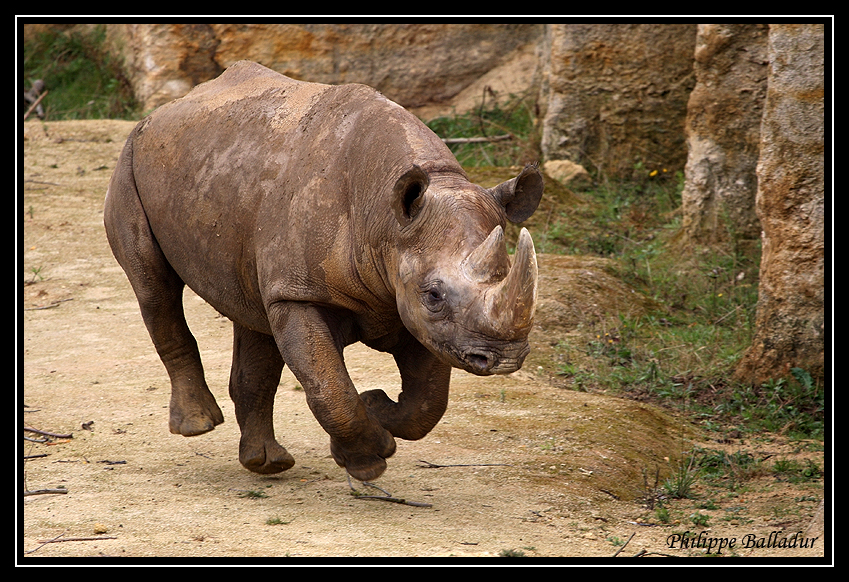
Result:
x=45 y=543
x=394 y=500
x=50 y=434
x=45 y=492
x=429 y=465
x=386 y=497
x=50 y=306
x=451 y=140
x=623 y=545
x=91 y=539
x=34 y=105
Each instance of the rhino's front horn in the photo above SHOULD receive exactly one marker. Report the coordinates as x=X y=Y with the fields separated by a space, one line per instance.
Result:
x=510 y=304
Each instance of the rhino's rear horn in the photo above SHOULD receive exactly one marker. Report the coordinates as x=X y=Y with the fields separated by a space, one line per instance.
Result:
x=488 y=262
x=408 y=194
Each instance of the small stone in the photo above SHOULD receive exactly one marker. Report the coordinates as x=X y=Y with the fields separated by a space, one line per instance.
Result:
x=568 y=173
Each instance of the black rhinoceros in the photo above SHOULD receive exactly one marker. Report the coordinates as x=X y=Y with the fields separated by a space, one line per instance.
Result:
x=315 y=216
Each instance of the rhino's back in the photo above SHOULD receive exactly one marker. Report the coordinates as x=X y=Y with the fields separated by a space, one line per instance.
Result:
x=202 y=166
x=253 y=132
x=253 y=175
x=248 y=93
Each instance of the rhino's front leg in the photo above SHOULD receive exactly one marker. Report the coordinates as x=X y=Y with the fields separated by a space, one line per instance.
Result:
x=310 y=343
x=424 y=391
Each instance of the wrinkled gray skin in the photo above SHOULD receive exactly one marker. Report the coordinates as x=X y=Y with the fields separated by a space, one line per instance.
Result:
x=316 y=216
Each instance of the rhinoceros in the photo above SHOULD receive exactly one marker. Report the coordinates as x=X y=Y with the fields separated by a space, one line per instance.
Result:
x=315 y=216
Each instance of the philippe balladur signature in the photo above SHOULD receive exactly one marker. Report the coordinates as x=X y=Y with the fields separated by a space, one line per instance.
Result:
x=716 y=545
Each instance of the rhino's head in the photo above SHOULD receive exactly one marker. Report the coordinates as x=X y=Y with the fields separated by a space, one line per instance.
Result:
x=457 y=291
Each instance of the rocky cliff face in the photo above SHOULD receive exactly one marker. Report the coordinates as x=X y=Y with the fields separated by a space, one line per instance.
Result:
x=790 y=325
x=723 y=132
x=616 y=95
x=413 y=64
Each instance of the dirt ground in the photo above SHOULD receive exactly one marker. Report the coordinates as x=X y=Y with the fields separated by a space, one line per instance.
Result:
x=532 y=469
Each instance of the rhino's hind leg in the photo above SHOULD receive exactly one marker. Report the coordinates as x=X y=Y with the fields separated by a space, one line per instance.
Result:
x=193 y=409
x=254 y=377
x=159 y=291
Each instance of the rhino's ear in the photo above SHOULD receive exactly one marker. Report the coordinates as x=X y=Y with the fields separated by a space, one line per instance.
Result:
x=521 y=195
x=408 y=194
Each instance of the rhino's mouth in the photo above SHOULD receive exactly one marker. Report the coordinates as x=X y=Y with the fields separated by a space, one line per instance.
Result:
x=488 y=361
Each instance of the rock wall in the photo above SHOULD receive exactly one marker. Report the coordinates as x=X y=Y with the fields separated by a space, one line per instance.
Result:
x=723 y=133
x=790 y=325
x=413 y=64
x=616 y=95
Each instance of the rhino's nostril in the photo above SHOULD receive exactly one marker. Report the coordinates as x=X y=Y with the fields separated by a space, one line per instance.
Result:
x=478 y=361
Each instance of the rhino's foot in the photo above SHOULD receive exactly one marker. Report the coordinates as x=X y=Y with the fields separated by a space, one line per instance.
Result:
x=402 y=423
x=195 y=418
x=265 y=457
x=363 y=466
x=380 y=406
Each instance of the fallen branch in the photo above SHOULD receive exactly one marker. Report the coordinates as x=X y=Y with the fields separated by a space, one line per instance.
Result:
x=451 y=140
x=45 y=543
x=386 y=497
x=91 y=539
x=429 y=465
x=45 y=492
x=50 y=306
x=623 y=545
x=50 y=434
x=41 y=182
x=34 y=105
x=392 y=500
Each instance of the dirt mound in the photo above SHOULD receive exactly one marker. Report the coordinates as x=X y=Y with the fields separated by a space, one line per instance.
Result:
x=523 y=466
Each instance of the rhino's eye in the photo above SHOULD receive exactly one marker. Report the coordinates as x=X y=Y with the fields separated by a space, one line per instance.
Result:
x=434 y=298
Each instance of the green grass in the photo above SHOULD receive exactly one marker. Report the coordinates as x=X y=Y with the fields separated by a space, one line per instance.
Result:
x=511 y=554
x=793 y=406
x=252 y=494
x=680 y=484
x=276 y=521
x=515 y=117
x=683 y=353
x=797 y=472
x=83 y=80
